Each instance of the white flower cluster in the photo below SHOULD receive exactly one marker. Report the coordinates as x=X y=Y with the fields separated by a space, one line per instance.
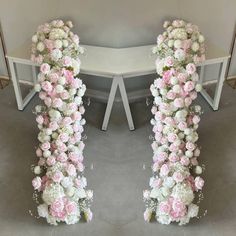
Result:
x=60 y=184
x=175 y=166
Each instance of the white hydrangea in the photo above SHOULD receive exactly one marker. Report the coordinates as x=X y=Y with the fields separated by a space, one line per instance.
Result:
x=52 y=192
x=183 y=192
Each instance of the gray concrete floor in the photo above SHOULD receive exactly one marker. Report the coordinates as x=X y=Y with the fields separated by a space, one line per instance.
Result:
x=118 y=178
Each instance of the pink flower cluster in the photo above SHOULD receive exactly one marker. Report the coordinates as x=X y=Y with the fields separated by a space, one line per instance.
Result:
x=60 y=183
x=176 y=170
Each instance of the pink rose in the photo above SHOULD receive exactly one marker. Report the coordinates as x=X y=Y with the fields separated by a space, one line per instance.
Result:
x=80 y=166
x=67 y=61
x=64 y=137
x=178 y=102
x=45 y=146
x=196 y=119
x=179 y=209
x=53 y=77
x=46 y=86
x=173 y=157
x=164 y=170
x=67 y=121
x=199 y=183
x=172 y=137
x=51 y=161
x=64 y=95
x=190 y=68
x=39 y=152
x=39 y=119
x=57 y=206
x=76 y=116
x=170 y=95
x=45 y=68
x=190 y=146
x=165 y=207
x=193 y=95
x=76 y=83
x=62 y=157
x=182 y=125
x=184 y=161
x=81 y=110
x=53 y=125
x=57 y=102
x=73 y=156
x=162 y=156
x=48 y=101
x=194 y=161
x=159 y=83
x=71 y=170
x=187 y=101
x=173 y=148
x=169 y=61
x=154 y=110
x=189 y=86
x=178 y=177
x=57 y=177
x=182 y=77
x=71 y=208
x=42 y=95
x=36 y=182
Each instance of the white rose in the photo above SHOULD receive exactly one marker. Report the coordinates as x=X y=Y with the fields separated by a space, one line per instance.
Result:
x=176 y=88
x=37 y=170
x=46 y=153
x=171 y=43
x=40 y=46
x=195 y=46
x=198 y=170
x=62 y=80
x=201 y=38
x=58 y=44
x=174 y=80
x=38 y=108
x=65 y=43
x=189 y=154
x=163 y=91
x=179 y=54
x=70 y=191
x=56 y=54
x=198 y=87
x=177 y=43
x=193 y=210
x=37 y=87
x=43 y=210
x=59 y=88
x=35 y=38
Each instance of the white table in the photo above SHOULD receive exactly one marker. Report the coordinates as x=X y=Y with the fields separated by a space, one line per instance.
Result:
x=117 y=64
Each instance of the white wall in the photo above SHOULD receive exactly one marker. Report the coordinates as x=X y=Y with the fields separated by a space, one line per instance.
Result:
x=118 y=23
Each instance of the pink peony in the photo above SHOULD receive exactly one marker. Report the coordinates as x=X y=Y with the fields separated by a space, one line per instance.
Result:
x=71 y=208
x=165 y=207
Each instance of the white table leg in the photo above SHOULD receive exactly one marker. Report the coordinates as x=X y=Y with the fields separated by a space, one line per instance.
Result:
x=16 y=86
x=125 y=102
x=110 y=103
x=219 y=86
x=34 y=73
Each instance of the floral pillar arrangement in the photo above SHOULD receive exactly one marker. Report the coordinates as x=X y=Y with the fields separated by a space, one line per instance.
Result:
x=175 y=188
x=60 y=187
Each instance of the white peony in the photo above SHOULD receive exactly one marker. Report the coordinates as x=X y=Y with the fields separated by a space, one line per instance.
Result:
x=43 y=210
x=183 y=192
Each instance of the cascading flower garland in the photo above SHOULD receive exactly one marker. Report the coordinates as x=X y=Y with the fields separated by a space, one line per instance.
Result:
x=176 y=183
x=60 y=187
